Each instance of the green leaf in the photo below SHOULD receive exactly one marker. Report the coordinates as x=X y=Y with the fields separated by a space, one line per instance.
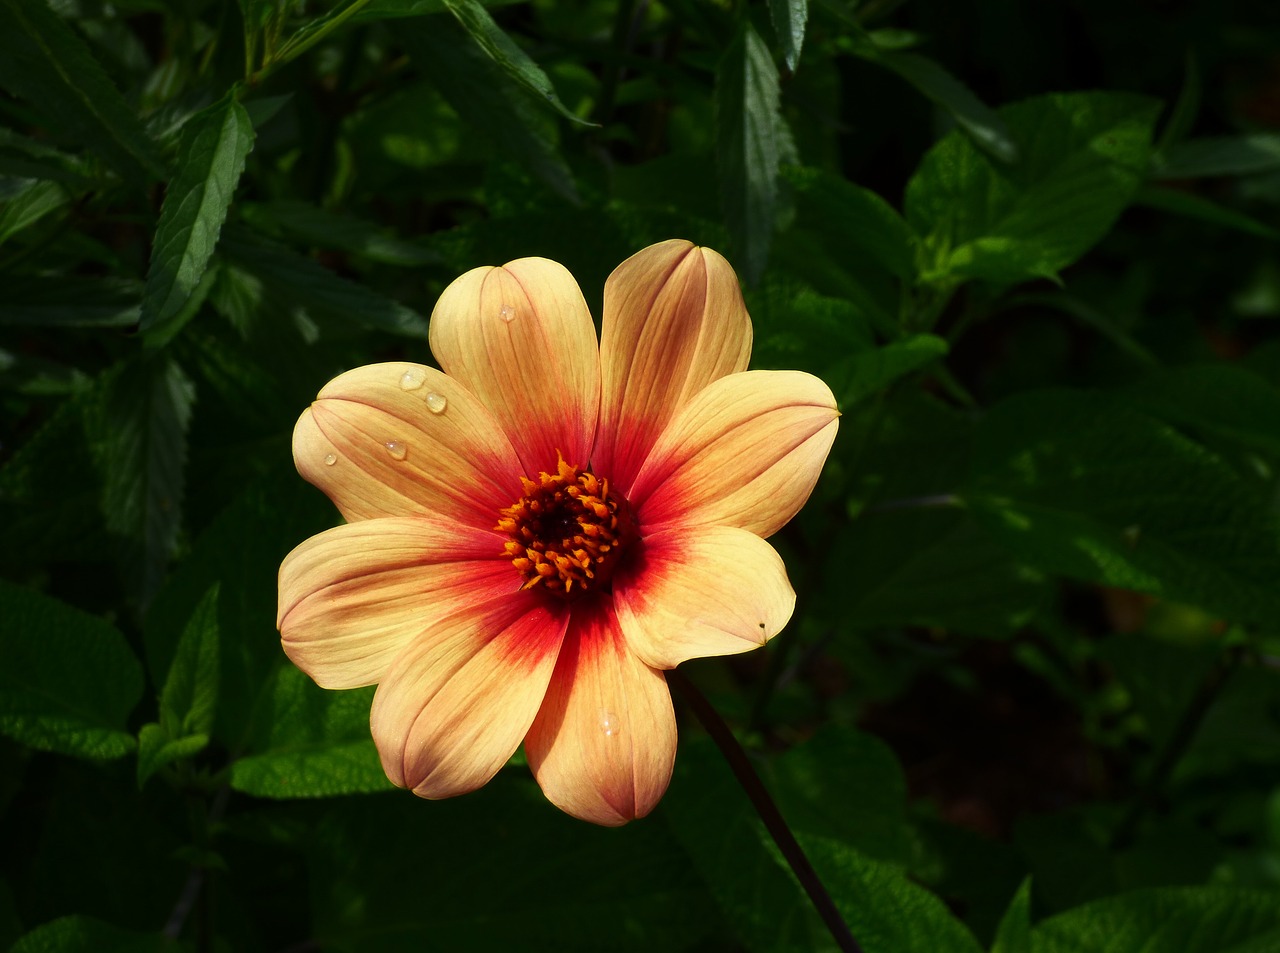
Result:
x=1014 y=932
x=325 y=229
x=296 y=281
x=211 y=157
x=984 y=126
x=500 y=48
x=789 y=18
x=1222 y=400
x=1167 y=920
x=1083 y=157
x=312 y=743
x=1110 y=495
x=67 y=679
x=1196 y=206
x=189 y=698
x=36 y=200
x=750 y=141
x=312 y=32
x=868 y=372
x=65 y=301
x=488 y=100
x=80 y=934
x=855 y=222
x=156 y=749
x=44 y=62
x=1219 y=156
x=139 y=434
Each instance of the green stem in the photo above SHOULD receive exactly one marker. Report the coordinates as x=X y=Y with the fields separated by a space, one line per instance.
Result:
x=760 y=799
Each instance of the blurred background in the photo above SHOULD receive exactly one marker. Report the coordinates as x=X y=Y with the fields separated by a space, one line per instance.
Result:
x=1029 y=700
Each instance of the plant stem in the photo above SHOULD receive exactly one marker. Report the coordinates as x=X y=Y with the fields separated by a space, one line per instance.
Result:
x=768 y=811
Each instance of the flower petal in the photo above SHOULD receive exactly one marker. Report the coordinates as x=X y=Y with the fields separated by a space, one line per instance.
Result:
x=354 y=596
x=520 y=337
x=459 y=699
x=745 y=452
x=404 y=439
x=603 y=745
x=716 y=590
x=674 y=321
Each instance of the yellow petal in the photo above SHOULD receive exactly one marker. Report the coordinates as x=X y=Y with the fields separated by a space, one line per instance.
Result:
x=459 y=699
x=354 y=596
x=603 y=745
x=674 y=321
x=745 y=452
x=694 y=593
x=404 y=439
x=520 y=337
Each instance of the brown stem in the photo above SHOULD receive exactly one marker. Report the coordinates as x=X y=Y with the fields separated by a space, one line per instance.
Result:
x=768 y=811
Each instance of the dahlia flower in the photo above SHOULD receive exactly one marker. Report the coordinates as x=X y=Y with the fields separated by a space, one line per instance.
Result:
x=536 y=532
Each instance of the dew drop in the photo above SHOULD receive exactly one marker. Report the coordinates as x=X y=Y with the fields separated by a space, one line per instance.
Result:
x=436 y=403
x=507 y=314
x=412 y=379
x=330 y=459
x=610 y=723
x=396 y=449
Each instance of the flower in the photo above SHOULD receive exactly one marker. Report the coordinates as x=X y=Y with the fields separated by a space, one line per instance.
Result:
x=536 y=533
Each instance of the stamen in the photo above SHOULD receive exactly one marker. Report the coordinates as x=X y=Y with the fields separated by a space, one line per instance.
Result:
x=567 y=531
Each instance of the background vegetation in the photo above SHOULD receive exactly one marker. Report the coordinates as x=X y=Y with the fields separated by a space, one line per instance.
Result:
x=1030 y=698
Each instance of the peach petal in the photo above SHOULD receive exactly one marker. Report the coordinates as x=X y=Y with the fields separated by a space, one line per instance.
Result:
x=404 y=439
x=745 y=452
x=694 y=593
x=674 y=321
x=604 y=742
x=520 y=337
x=458 y=700
x=354 y=596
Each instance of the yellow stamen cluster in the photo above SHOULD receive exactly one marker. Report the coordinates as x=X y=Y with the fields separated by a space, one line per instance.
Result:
x=567 y=531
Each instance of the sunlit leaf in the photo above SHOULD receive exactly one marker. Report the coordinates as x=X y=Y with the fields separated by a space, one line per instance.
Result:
x=211 y=158
x=68 y=680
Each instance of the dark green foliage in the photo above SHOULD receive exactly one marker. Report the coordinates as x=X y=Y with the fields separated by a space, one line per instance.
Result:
x=1029 y=699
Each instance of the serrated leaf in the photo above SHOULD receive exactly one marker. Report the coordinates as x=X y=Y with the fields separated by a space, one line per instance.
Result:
x=139 y=433
x=189 y=698
x=853 y=220
x=979 y=121
x=312 y=743
x=868 y=372
x=156 y=749
x=211 y=158
x=1253 y=154
x=35 y=200
x=488 y=100
x=80 y=934
x=70 y=302
x=1083 y=157
x=296 y=281
x=325 y=229
x=1114 y=496
x=44 y=62
x=68 y=680
x=749 y=146
x=789 y=18
x=1168 y=920
x=500 y=48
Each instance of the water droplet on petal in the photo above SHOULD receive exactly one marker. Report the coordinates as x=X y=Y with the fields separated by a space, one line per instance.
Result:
x=396 y=449
x=610 y=723
x=412 y=379
x=507 y=313
x=436 y=403
x=330 y=459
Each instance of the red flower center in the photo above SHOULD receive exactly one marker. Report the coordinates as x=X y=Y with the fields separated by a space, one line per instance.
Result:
x=567 y=531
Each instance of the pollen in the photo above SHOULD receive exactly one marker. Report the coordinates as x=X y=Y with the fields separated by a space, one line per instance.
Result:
x=567 y=531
